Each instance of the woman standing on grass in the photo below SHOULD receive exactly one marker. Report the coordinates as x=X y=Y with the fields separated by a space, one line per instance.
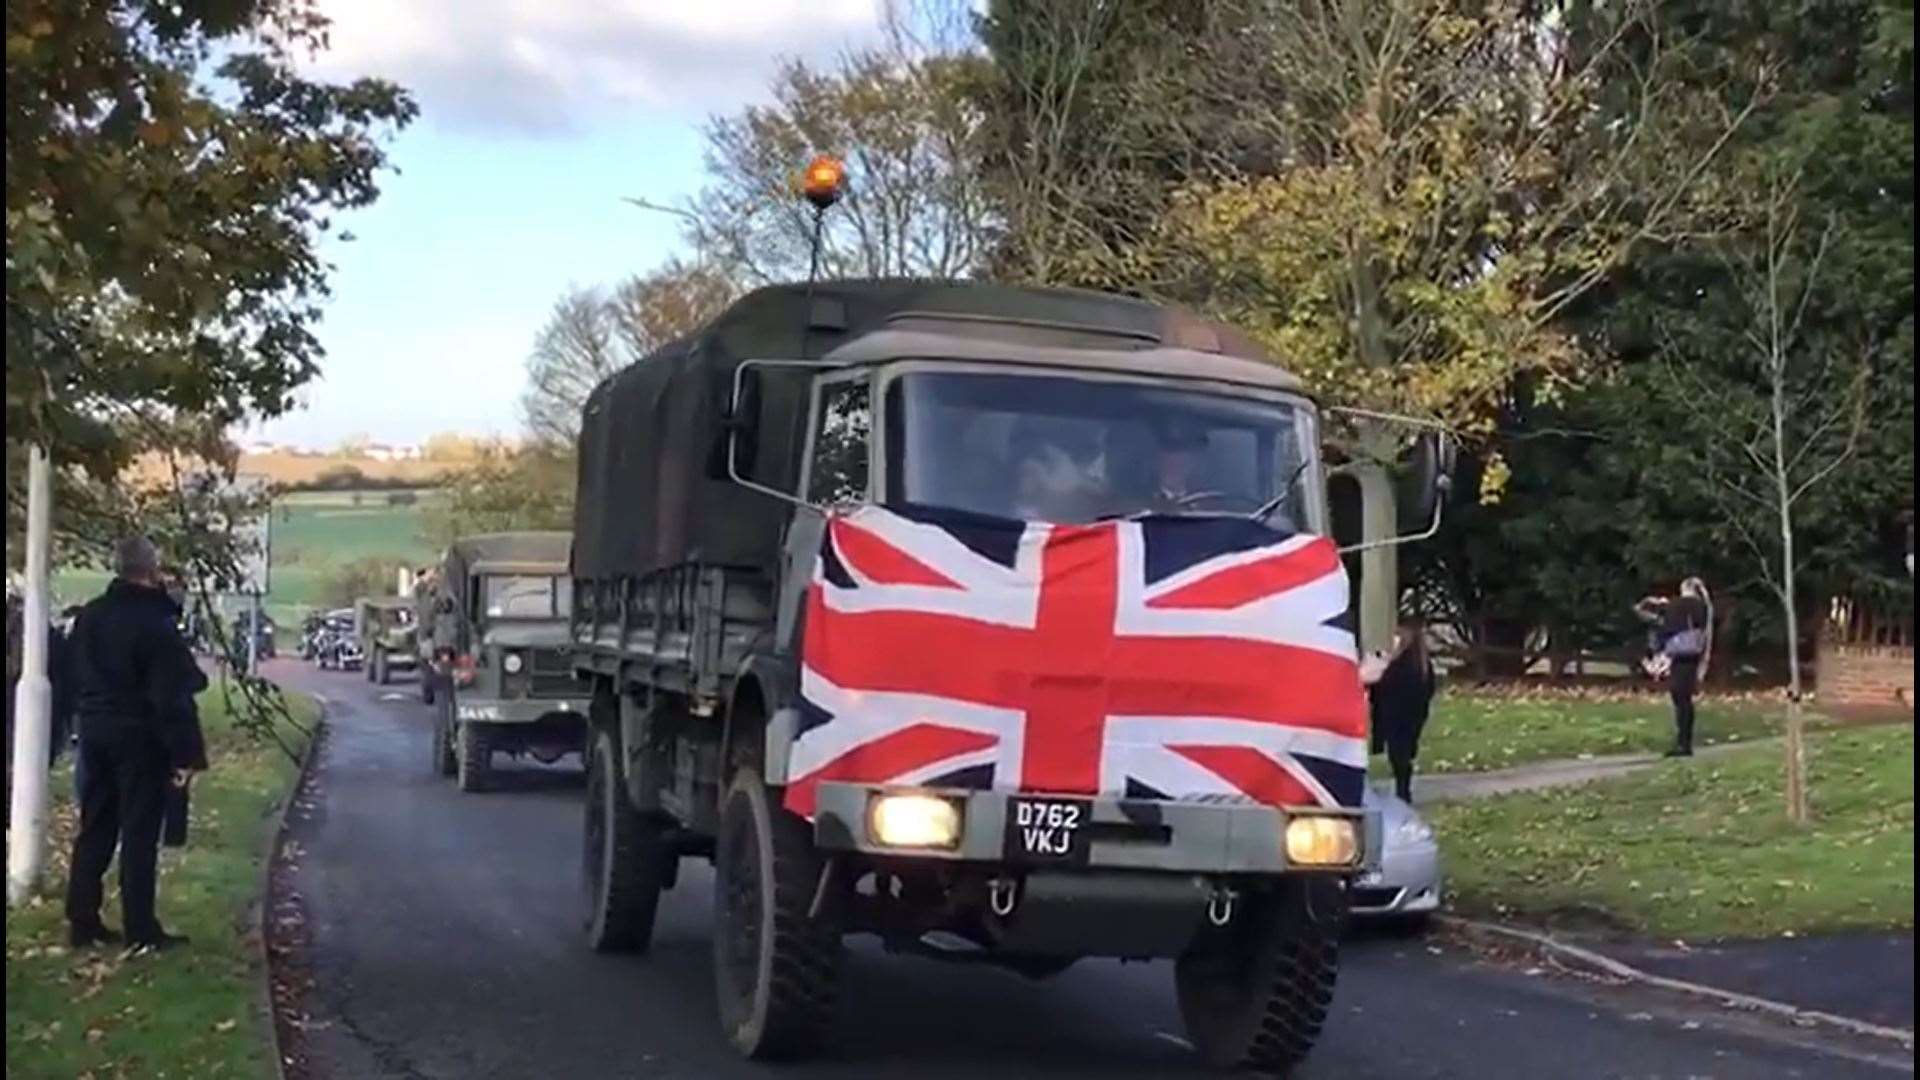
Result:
x=1685 y=638
x=1401 y=696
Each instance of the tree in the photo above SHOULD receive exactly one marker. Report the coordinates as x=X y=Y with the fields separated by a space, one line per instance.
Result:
x=576 y=349
x=372 y=576
x=168 y=175
x=906 y=127
x=653 y=309
x=590 y=335
x=1606 y=498
x=450 y=446
x=1095 y=113
x=505 y=491
x=1451 y=179
x=1769 y=450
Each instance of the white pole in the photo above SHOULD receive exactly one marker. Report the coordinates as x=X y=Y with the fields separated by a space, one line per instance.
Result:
x=33 y=699
x=253 y=636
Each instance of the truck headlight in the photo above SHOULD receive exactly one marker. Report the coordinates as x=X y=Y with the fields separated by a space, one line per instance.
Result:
x=1314 y=840
x=512 y=663
x=913 y=821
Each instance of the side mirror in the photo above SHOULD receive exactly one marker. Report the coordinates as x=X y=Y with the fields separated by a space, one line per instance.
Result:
x=735 y=451
x=1426 y=481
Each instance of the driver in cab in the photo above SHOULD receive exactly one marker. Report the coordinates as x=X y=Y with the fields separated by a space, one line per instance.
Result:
x=1178 y=461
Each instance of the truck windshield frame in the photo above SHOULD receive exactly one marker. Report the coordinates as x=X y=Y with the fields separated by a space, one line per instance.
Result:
x=525 y=596
x=1247 y=441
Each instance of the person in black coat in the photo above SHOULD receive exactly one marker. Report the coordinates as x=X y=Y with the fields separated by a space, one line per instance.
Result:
x=1401 y=698
x=133 y=681
x=1683 y=635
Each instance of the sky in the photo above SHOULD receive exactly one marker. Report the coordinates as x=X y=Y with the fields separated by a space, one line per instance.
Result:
x=536 y=118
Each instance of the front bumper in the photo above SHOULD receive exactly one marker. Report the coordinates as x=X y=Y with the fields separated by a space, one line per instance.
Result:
x=1132 y=834
x=519 y=710
x=1407 y=882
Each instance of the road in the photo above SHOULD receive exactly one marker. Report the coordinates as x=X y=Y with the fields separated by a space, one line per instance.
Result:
x=445 y=945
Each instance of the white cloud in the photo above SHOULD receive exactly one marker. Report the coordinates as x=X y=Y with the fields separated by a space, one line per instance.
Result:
x=542 y=66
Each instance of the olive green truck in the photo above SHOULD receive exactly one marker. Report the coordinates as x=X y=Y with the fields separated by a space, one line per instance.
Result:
x=844 y=612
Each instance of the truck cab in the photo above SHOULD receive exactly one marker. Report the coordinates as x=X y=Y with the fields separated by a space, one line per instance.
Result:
x=505 y=683
x=1004 y=627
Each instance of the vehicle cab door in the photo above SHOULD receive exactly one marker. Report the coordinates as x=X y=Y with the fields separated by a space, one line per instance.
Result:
x=840 y=468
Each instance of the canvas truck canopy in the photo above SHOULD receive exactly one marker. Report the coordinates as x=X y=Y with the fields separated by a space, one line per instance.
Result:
x=651 y=488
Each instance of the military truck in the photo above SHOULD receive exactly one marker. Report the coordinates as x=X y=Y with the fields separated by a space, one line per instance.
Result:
x=899 y=604
x=385 y=628
x=506 y=684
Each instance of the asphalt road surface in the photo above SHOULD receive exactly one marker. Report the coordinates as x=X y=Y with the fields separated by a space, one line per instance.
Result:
x=445 y=944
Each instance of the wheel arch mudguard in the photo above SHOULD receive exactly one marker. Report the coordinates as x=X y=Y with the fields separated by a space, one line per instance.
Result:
x=768 y=684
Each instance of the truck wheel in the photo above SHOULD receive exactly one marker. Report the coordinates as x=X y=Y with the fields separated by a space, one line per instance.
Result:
x=1255 y=993
x=474 y=757
x=380 y=673
x=625 y=862
x=775 y=969
x=443 y=759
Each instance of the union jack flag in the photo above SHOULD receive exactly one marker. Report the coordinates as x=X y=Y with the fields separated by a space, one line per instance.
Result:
x=1159 y=658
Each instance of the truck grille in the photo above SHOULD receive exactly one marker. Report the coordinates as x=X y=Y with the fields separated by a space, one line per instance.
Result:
x=552 y=676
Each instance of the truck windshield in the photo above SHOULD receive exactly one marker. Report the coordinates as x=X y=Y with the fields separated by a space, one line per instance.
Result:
x=1073 y=450
x=526 y=596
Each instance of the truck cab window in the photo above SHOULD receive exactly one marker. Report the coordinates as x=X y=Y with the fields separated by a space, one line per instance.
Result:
x=840 y=441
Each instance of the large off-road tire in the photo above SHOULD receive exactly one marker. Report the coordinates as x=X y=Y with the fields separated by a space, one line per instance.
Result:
x=444 y=762
x=1255 y=993
x=775 y=969
x=625 y=863
x=473 y=754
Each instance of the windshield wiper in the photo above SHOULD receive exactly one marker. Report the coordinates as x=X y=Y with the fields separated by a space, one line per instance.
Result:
x=1286 y=492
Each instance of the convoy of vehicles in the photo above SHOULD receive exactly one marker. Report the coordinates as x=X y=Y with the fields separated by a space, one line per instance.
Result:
x=1001 y=624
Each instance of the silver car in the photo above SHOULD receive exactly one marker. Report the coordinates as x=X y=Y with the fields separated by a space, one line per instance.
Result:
x=1407 y=884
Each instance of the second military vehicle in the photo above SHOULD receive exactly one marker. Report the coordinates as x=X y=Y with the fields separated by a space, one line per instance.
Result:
x=999 y=623
x=385 y=627
x=505 y=684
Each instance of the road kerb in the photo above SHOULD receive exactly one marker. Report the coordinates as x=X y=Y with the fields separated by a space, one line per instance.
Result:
x=1595 y=963
x=275 y=836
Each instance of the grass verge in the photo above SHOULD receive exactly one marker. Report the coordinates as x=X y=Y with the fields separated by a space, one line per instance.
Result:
x=1700 y=849
x=1478 y=733
x=189 y=1013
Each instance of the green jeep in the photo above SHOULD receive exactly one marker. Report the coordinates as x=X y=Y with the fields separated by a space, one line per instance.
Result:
x=385 y=627
x=504 y=675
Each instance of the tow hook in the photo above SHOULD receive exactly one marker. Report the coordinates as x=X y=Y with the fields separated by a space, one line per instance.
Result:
x=1002 y=896
x=1220 y=906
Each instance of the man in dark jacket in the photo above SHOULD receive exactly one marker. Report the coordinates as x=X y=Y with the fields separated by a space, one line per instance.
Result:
x=133 y=685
